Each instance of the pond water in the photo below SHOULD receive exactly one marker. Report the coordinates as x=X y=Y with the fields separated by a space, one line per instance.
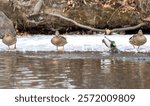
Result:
x=85 y=64
x=74 y=70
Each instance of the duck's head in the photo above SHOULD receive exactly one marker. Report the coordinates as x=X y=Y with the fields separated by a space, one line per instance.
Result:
x=112 y=44
x=57 y=33
x=7 y=34
x=109 y=43
x=140 y=32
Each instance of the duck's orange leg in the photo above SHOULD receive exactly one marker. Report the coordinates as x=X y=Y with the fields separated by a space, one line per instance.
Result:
x=15 y=46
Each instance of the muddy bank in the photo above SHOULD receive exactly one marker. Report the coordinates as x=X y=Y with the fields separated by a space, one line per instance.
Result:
x=32 y=15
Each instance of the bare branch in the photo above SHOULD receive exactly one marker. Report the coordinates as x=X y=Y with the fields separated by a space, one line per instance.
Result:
x=114 y=13
x=76 y=23
x=147 y=19
x=128 y=28
x=38 y=6
x=34 y=22
x=107 y=31
x=95 y=29
x=84 y=1
x=53 y=29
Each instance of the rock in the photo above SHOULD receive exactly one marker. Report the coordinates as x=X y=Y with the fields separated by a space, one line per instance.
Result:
x=6 y=25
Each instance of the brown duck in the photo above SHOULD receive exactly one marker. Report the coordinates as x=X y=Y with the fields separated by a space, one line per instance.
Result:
x=9 y=40
x=58 y=40
x=138 y=39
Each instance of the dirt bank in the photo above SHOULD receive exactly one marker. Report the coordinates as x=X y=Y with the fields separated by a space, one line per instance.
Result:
x=32 y=16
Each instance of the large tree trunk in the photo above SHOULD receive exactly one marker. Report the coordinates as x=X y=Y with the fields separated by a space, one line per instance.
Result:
x=32 y=15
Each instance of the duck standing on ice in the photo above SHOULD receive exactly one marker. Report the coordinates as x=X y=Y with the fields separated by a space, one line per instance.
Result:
x=9 y=40
x=59 y=41
x=138 y=39
x=111 y=45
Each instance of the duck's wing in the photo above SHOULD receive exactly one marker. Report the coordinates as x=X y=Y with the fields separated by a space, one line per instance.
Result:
x=14 y=39
x=63 y=39
x=134 y=36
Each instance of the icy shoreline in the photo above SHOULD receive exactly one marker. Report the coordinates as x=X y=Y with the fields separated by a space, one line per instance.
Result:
x=75 y=43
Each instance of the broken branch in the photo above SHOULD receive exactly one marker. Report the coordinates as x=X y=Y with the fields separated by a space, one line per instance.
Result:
x=76 y=23
x=129 y=28
x=95 y=29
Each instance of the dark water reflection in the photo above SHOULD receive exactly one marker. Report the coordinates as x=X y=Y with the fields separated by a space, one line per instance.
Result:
x=74 y=70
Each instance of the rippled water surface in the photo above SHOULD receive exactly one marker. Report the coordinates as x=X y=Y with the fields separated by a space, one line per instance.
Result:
x=74 y=70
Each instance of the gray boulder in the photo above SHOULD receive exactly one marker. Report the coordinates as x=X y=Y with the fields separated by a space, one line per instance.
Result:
x=6 y=25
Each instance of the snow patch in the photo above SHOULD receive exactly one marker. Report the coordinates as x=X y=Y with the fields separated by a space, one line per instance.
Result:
x=75 y=43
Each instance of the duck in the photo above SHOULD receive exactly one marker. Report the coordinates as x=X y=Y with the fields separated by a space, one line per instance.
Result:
x=59 y=41
x=138 y=39
x=110 y=44
x=9 y=40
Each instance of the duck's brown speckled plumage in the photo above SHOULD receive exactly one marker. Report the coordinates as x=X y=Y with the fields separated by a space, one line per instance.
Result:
x=138 y=39
x=58 y=40
x=9 y=40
